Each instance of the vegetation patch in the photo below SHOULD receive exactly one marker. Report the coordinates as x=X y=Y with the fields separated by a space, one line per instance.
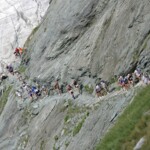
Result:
x=113 y=80
x=141 y=129
x=89 y=89
x=74 y=119
x=66 y=118
x=4 y=98
x=131 y=125
x=34 y=30
x=67 y=144
x=136 y=56
x=42 y=146
x=118 y=88
x=27 y=116
x=23 y=141
x=21 y=68
x=79 y=126
x=56 y=138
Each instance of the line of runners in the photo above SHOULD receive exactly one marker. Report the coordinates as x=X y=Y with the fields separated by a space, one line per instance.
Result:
x=101 y=88
x=37 y=89
x=125 y=82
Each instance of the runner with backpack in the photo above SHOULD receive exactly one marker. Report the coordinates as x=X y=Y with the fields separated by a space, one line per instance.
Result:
x=69 y=89
x=57 y=87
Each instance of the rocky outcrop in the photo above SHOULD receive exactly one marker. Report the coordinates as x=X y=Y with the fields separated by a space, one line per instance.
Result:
x=91 y=38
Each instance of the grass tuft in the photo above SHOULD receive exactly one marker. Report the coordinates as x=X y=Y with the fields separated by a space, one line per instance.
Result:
x=88 y=89
x=79 y=126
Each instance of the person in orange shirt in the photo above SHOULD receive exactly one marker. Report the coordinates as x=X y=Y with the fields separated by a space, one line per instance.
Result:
x=20 y=50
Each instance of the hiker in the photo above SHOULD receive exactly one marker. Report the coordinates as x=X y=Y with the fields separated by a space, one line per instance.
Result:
x=18 y=93
x=62 y=88
x=135 y=79
x=30 y=94
x=81 y=88
x=125 y=83
x=44 y=89
x=27 y=87
x=35 y=91
x=57 y=87
x=137 y=73
x=145 y=79
x=104 y=85
x=18 y=74
x=98 y=90
x=17 y=53
x=10 y=69
x=69 y=89
x=130 y=79
x=121 y=81
x=76 y=85
x=20 y=51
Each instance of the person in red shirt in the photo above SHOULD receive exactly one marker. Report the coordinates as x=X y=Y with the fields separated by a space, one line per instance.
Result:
x=17 y=52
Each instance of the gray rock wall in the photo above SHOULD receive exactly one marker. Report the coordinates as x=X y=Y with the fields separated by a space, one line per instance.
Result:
x=91 y=37
x=85 y=38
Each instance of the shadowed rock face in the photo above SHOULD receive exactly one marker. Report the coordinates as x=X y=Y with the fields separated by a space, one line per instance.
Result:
x=91 y=37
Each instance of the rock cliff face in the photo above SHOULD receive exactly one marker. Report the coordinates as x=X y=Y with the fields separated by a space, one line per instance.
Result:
x=17 y=20
x=92 y=38
x=79 y=38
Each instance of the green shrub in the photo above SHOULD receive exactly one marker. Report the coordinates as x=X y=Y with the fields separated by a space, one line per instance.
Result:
x=56 y=138
x=42 y=146
x=89 y=89
x=66 y=118
x=67 y=144
x=79 y=126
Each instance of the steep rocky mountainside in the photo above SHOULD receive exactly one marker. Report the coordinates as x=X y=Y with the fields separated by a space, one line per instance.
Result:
x=91 y=38
x=83 y=39
x=17 y=20
x=57 y=122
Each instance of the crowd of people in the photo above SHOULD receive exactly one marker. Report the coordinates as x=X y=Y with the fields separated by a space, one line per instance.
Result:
x=38 y=89
x=131 y=79
x=125 y=82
